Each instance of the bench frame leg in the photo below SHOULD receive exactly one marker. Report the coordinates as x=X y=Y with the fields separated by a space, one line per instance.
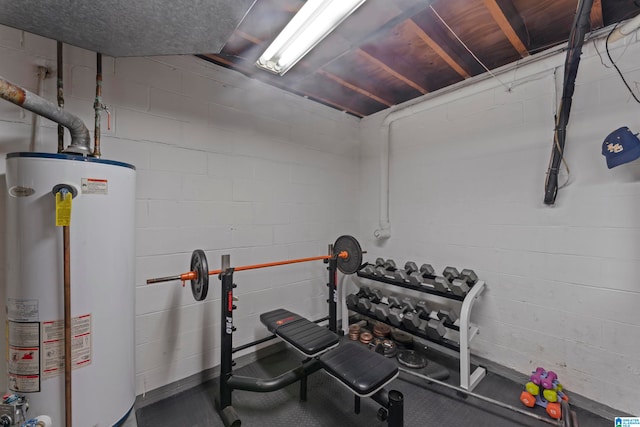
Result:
x=303 y=389
x=396 y=409
x=356 y=404
x=393 y=401
x=333 y=295
x=226 y=333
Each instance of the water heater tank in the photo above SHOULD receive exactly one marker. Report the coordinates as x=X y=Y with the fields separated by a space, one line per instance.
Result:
x=102 y=246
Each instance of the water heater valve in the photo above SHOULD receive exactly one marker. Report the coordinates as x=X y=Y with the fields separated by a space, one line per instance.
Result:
x=13 y=410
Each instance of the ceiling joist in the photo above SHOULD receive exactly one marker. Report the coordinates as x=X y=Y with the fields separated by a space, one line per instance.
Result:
x=597 y=20
x=510 y=22
x=391 y=71
x=392 y=51
x=437 y=48
x=353 y=87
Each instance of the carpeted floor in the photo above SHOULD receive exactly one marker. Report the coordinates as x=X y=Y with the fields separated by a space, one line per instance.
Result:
x=331 y=404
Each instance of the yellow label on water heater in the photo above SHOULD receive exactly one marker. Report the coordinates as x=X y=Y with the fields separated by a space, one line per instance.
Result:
x=63 y=209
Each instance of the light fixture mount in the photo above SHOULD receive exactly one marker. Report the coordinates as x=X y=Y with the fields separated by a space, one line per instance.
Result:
x=313 y=22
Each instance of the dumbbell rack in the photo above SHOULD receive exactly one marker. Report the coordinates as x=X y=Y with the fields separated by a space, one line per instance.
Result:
x=468 y=380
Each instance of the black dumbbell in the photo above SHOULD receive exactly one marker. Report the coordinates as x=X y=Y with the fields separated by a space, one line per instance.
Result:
x=401 y=275
x=451 y=273
x=364 y=292
x=379 y=262
x=380 y=271
x=369 y=269
x=435 y=329
x=390 y=265
x=381 y=312
x=396 y=310
x=395 y=316
x=394 y=301
x=376 y=295
x=411 y=321
x=352 y=301
x=404 y=275
x=469 y=276
x=459 y=287
x=409 y=303
x=449 y=316
x=410 y=267
x=364 y=305
x=441 y=284
x=427 y=270
x=372 y=310
x=400 y=309
x=422 y=308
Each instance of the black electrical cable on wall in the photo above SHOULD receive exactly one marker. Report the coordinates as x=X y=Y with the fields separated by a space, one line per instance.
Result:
x=581 y=25
x=606 y=46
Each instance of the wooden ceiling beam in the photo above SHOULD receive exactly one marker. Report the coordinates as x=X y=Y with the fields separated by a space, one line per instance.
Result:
x=597 y=21
x=437 y=48
x=354 y=87
x=248 y=37
x=393 y=72
x=510 y=22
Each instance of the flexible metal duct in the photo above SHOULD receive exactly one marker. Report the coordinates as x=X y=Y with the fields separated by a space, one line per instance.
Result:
x=80 y=137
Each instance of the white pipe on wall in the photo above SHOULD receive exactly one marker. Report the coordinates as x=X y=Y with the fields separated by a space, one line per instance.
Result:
x=482 y=83
x=625 y=29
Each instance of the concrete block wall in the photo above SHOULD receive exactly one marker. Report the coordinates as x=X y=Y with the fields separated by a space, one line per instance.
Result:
x=225 y=164
x=467 y=173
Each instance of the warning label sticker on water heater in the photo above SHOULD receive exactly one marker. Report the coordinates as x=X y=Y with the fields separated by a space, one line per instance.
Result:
x=53 y=345
x=23 y=356
x=95 y=186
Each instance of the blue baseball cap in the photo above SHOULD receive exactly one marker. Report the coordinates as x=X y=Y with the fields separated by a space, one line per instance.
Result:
x=620 y=146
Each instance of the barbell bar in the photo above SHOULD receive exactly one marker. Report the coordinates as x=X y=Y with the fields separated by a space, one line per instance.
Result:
x=346 y=249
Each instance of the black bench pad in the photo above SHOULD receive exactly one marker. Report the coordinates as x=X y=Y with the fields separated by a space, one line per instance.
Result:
x=362 y=370
x=306 y=336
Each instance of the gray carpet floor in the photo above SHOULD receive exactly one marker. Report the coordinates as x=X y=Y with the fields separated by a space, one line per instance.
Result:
x=331 y=404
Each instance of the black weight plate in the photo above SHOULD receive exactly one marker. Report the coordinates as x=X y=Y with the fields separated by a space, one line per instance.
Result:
x=412 y=359
x=352 y=263
x=200 y=285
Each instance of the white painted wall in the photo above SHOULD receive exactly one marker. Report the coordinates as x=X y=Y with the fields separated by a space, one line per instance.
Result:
x=225 y=164
x=466 y=189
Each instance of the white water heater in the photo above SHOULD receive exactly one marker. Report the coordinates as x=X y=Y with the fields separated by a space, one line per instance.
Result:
x=102 y=275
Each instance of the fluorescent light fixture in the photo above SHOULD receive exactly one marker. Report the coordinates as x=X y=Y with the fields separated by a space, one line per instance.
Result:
x=313 y=22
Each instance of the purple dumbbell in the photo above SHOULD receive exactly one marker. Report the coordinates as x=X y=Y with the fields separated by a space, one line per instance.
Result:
x=547 y=381
x=536 y=376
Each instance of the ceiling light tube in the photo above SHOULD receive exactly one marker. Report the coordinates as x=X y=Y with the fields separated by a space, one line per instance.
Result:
x=313 y=22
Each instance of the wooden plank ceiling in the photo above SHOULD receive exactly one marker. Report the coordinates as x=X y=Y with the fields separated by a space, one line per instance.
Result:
x=391 y=51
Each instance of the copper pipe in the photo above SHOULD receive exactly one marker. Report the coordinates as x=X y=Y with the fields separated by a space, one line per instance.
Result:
x=98 y=106
x=60 y=98
x=67 y=325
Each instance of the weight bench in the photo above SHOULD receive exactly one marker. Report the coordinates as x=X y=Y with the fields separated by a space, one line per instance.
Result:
x=362 y=371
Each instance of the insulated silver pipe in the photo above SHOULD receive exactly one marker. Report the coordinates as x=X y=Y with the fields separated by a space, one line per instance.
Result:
x=59 y=85
x=80 y=137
